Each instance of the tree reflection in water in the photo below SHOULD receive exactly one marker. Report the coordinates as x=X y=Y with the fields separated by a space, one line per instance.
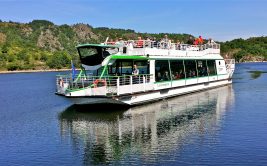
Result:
x=144 y=133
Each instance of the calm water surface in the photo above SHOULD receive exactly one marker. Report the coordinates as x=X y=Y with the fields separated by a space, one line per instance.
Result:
x=223 y=126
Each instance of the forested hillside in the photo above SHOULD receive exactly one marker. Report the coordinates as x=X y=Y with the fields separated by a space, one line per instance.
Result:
x=252 y=49
x=41 y=44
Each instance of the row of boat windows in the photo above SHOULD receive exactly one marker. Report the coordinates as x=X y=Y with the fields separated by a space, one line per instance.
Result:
x=165 y=70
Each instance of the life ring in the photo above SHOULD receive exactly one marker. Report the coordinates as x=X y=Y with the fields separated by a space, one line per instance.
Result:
x=99 y=81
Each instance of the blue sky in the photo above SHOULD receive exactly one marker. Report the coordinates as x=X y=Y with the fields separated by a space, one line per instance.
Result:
x=218 y=19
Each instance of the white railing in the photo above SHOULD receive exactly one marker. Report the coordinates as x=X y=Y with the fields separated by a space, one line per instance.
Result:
x=165 y=45
x=114 y=85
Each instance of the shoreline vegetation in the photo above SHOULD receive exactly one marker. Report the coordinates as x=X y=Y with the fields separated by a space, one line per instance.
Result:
x=33 y=71
x=67 y=69
x=41 y=45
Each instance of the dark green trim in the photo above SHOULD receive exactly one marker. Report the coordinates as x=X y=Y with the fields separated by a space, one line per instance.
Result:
x=133 y=57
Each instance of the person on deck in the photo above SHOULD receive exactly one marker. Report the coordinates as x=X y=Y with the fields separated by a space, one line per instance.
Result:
x=196 y=41
x=166 y=42
x=200 y=40
x=135 y=73
x=140 y=42
x=135 y=70
x=155 y=42
x=211 y=43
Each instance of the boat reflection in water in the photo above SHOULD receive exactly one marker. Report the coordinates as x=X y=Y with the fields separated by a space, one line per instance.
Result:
x=142 y=134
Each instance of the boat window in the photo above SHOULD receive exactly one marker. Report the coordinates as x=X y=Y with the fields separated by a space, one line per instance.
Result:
x=114 y=69
x=108 y=51
x=202 y=68
x=125 y=67
x=97 y=72
x=94 y=55
x=211 y=67
x=90 y=56
x=87 y=51
x=143 y=67
x=162 y=72
x=177 y=69
x=190 y=68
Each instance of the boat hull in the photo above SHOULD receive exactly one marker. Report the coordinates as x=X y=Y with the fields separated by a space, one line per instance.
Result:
x=145 y=97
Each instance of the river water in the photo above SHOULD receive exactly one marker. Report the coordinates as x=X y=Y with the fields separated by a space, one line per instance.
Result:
x=222 y=126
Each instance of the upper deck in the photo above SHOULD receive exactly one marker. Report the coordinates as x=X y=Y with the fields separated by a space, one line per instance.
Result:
x=95 y=54
x=155 y=49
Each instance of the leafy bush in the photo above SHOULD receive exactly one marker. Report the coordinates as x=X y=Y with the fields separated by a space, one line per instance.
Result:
x=16 y=65
x=59 y=59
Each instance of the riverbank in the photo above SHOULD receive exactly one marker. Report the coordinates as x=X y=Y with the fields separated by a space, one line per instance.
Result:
x=33 y=71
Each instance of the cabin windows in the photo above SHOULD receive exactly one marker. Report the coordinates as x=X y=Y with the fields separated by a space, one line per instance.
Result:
x=114 y=69
x=87 y=51
x=211 y=67
x=162 y=72
x=166 y=70
x=202 y=68
x=177 y=69
x=142 y=66
x=190 y=68
x=125 y=67
x=90 y=56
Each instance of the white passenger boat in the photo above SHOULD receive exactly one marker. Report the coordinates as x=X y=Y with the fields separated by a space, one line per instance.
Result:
x=108 y=74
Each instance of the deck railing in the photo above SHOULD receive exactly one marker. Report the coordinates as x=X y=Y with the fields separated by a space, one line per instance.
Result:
x=165 y=45
x=114 y=85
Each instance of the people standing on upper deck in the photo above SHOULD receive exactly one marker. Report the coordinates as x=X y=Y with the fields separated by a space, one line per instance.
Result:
x=165 y=42
x=148 y=42
x=140 y=42
x=155 y=42
x=211 y=43
x=172 y=45
x=196 y=41
x=165 y=39
x=178 y=45
x=200 y=40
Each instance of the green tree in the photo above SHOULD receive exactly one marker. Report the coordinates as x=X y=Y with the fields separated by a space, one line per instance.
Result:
x=59 y=59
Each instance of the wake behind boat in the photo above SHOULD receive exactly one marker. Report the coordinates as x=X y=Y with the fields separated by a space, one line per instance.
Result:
x=139 y=71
